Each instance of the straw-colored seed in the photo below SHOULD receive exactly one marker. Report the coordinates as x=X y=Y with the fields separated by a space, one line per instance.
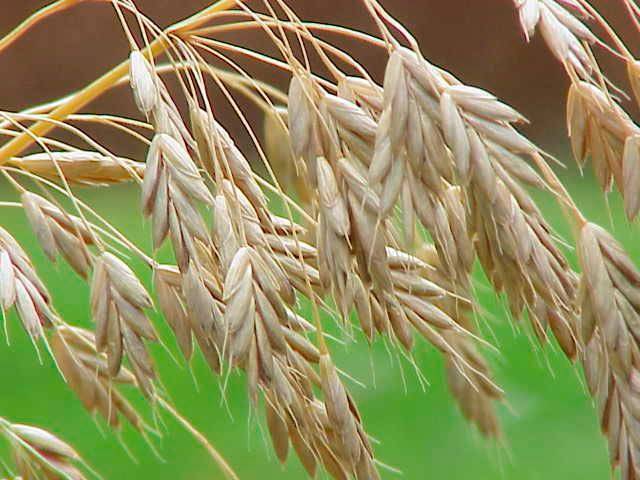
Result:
x=118 y=301
x=631 y=176
x=87 y=375
x=58 y=232
x=80 y=167
x=143 y=83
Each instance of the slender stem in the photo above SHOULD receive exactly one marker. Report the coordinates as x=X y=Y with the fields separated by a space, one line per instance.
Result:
x=620 y=45
x=78 y=100
x=219 y=459
x=36 y=17
x=235 y=80
x=322 y=27
x=633 y=13
x=72 y=105
x=306 y=33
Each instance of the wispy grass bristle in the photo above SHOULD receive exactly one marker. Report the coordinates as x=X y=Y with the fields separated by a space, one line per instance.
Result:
x=389 y=191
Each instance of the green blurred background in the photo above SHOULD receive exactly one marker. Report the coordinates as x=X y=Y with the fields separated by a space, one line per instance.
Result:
x=550 y=426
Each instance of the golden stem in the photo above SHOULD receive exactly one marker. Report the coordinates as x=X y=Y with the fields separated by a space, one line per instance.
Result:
x=81 y=98
x=219 y=459
x=36 y=17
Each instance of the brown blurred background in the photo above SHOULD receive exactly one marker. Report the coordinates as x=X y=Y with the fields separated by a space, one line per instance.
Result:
x=477 y=40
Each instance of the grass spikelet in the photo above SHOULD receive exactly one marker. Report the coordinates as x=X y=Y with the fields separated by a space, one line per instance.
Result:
x=601 y=129
x=39 y=454
x=80 y=167
x=21 y=287
x=563 y=32
x=168 y=286
x=87 y=373
x=58 y=232
x=145 y=92
x=173 y=180
x=118 y=301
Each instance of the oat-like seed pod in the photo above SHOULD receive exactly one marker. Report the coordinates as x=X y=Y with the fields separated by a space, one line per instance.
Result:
x=118 y=301
x=21 y=287
x=167 y=281
x=80 y=167
x=143 y=83
x=40 y=454
x=87 y=373
x=562 y=31
x=58 y=232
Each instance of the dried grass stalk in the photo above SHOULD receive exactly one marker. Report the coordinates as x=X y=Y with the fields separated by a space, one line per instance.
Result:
x=142 y=79
x=518 y=253
x=167 y=281
x=469 y=376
